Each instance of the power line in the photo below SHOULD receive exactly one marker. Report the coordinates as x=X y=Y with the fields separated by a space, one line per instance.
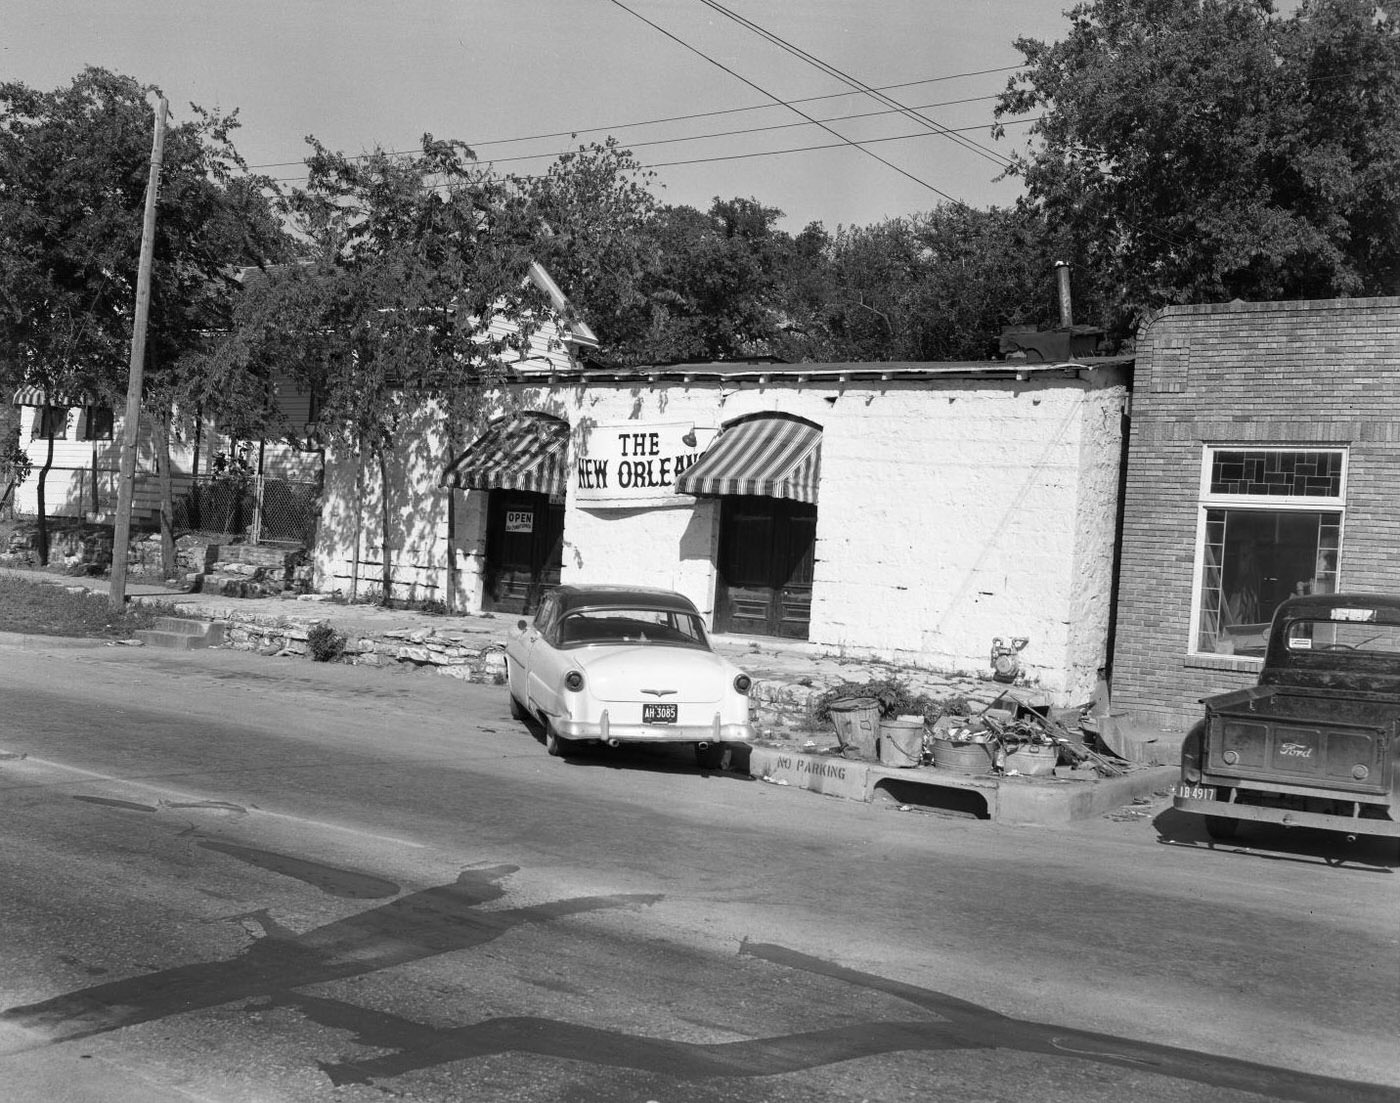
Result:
x=807 y=149
x=779 y=100
x=735 y=156
x=854 y=83
x=575 y=131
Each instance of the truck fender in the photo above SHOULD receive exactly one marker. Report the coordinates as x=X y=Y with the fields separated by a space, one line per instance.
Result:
x=1193 y=752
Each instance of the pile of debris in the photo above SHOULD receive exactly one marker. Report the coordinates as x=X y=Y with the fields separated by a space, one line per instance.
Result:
x=1012 y=726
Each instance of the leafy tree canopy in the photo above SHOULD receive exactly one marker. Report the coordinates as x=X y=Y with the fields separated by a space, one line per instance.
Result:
x=1203 y=150
x=940 y=285
x=595 y=216
x=74 y=165
x=411 y=266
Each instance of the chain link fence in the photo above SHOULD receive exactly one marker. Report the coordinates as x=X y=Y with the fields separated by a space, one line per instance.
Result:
x=257 y=508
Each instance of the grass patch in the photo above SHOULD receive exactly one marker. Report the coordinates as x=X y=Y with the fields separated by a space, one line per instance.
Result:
x=40 y=609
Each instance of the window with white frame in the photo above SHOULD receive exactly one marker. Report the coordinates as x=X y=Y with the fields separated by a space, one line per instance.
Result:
x=1270 y=528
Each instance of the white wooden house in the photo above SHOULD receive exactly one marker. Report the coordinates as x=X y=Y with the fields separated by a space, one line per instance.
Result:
x=75 y=443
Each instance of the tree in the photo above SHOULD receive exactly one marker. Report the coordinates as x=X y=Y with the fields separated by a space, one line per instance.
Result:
x=1202 y=150
x=719 y=291
x=413 y=294
x=73 y=171
x=595 y=218
x=940 y=285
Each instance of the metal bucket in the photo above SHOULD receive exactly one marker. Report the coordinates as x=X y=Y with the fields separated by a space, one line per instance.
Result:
x=901 y=742
x=962 y=758
x=1032 y=759
x=857 y=721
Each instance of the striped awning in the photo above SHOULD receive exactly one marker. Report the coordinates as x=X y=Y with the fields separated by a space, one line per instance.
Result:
x=34 y=396
x=775 y=457
x=526 y=452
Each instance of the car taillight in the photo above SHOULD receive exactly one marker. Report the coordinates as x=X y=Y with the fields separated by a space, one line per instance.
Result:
x=742 y=683
x=573 y=680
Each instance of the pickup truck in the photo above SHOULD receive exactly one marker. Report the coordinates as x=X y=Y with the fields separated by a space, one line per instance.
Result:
x=1316 y=742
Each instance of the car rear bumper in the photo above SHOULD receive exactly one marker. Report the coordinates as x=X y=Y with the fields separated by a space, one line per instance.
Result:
x=606 y=731
x=1263 y=813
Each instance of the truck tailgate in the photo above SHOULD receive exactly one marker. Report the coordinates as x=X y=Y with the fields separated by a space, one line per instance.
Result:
x=1302 y=739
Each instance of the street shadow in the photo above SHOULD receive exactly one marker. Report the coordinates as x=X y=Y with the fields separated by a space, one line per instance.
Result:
x=1276 y=843
x=278 y=968
x=946 y=1024
x=439 y=920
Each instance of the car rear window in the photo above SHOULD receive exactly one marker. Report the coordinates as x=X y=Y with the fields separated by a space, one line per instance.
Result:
x=1361 y=630
x=665 y=627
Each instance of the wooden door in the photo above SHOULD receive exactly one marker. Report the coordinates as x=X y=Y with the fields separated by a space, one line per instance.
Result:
x=765 y=566
x=524 y=550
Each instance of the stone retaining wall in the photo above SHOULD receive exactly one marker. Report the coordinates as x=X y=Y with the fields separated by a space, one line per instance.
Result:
x=452 y=653
x=782 y=706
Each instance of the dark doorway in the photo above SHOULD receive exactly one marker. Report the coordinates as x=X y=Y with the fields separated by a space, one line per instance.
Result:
x=765 y=566
x=524 y=550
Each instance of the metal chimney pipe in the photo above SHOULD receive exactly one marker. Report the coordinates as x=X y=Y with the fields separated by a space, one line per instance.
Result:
x=1066 y=304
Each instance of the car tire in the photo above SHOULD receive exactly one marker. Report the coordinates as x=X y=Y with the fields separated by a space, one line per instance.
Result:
x=555 y=744
x=712 y=757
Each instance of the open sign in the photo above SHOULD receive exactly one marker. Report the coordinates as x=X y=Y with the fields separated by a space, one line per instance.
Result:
x=520 y=520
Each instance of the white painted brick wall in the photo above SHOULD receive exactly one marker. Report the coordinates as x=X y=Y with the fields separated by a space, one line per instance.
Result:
x=951 y=512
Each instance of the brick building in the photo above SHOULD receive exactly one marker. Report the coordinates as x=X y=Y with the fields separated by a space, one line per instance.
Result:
x=1264 y=460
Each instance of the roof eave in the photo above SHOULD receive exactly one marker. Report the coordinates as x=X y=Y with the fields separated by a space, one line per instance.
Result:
x=823 y=373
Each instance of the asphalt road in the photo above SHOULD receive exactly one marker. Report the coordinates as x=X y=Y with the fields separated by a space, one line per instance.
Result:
x=237 y=879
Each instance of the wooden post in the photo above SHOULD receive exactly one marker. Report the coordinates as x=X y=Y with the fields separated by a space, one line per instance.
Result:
x=126 y=488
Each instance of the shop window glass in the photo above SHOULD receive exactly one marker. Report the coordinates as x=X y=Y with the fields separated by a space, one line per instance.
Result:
x=1253 y=557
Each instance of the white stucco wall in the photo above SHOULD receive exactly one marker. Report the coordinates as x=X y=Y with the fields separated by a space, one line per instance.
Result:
x=950 y=513
x=349 y=552
x=953 y=510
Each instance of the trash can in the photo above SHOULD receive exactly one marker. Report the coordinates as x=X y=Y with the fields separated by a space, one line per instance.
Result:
x=902 y=741
x=857 y=721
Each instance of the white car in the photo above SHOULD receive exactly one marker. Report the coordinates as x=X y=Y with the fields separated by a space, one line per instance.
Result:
x=623 y=664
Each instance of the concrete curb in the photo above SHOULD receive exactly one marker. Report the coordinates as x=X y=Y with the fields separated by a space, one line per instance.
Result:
x=1025 y=801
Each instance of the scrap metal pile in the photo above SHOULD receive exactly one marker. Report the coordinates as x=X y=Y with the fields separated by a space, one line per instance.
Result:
x=1010 y=723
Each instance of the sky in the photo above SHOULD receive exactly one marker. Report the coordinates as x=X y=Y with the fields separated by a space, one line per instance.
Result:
x=523 y=80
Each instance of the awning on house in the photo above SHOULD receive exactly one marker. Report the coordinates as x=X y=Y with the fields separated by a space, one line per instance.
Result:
x=525 y=452
x=775 y=457
x=34 y=396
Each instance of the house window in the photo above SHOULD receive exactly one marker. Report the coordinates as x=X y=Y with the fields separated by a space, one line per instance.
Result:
x=51 y=423
x=1270 y=528
x=97 y=423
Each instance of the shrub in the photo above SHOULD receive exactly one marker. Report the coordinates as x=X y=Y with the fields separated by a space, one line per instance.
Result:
x=894 y=695
x=325 y=644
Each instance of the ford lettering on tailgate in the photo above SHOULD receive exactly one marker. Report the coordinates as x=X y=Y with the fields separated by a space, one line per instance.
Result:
x=1297 y=750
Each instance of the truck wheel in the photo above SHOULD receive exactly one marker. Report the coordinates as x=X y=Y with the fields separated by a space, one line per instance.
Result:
x=1221 y=828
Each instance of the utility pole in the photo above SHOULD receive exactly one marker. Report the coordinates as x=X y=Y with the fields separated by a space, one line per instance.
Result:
x=126 y=490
